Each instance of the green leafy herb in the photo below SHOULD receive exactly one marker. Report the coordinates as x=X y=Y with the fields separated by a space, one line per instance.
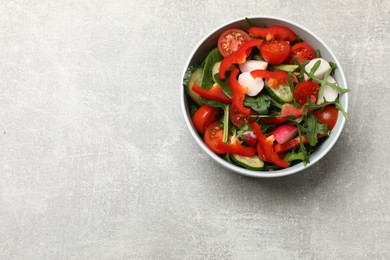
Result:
x=260 y=104
x=207 y=78
x=333 y=65
x=294 y=156
x=257 y=24
x=318 y=54
x=224 y=85
x=274 y=102
x=310 y=106
x=311 y=76
x=311 y=128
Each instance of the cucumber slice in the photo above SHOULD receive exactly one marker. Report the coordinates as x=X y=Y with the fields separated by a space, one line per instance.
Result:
x=196 y=77
x=285 y=67
x=253 y=162
x=282 y=93
x=215 y=70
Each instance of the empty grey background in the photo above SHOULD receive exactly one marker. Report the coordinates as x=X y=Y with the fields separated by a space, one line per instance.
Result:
x=97 y=163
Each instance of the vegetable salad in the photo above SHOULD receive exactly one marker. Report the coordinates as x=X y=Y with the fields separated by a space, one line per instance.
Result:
x=263 y=99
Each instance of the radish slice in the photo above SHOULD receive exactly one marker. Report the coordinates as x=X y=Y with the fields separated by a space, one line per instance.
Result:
x=254 y=85
x=321 y=70
x=285 y=133
x=329 y=93
x=250 y=138
x=251 y=65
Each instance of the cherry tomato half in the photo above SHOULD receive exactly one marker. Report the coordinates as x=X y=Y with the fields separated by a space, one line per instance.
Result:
x=213 y=136
x=275 y=52
x=231 y=40
x=305 y=90
x=239 y=120
x=302 y=51
x=328 y=115
x=204 y=116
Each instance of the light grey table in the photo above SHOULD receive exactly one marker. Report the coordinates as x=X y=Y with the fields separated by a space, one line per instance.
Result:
x=97 y=163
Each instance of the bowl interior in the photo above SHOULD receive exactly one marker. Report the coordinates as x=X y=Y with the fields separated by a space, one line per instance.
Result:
x=210 y=41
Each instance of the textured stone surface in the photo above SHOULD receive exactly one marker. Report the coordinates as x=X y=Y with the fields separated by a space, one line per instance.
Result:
x=96 y=161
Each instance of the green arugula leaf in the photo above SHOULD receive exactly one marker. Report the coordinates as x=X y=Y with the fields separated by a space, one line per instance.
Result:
x=260 y=104
x=312 y=127
x=294 y=156
x=318 y=53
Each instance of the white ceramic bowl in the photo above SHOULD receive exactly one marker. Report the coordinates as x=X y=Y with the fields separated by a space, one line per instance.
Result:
x=210 y=41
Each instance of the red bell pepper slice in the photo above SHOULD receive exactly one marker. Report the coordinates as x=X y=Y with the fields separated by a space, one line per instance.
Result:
x=278 y=32
x=266 y=146
x=238 y=93
x=237 y=57
x=235 y=147
x=293 y=143
x=214 y=93
x=273 y=78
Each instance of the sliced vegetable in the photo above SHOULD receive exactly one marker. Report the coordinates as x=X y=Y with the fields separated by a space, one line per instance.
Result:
x=214 y=93
x=251 y=65
x=275 y=52
x=231 y=40
x=204 y=116
x=237 y=57
x=328 y=115
x=291 y=110
x=238 y=93
x=238 y=119
x=195 y=78
x=282 y=92
x=306 y=90
x=215 y=71
x=250 y=138
x=329 y=94
x=235 y=147
x=266 y=147
x=301 y=51
x=252 y=162
x=274 y=33
x=320 y=71
x=285 y=133
x=287 y=146
x=213 y=135
x=254 y=86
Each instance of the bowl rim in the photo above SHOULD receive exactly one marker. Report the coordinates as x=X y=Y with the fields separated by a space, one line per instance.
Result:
x=253 y=173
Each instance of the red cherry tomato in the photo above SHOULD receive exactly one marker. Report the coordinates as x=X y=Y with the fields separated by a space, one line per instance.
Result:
x=213 y=136
x=328 y=115
x=204 y=116
x=238 y=119
x=302 y=51
x=305 y=90
x=231 y=40
x=275 y=52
